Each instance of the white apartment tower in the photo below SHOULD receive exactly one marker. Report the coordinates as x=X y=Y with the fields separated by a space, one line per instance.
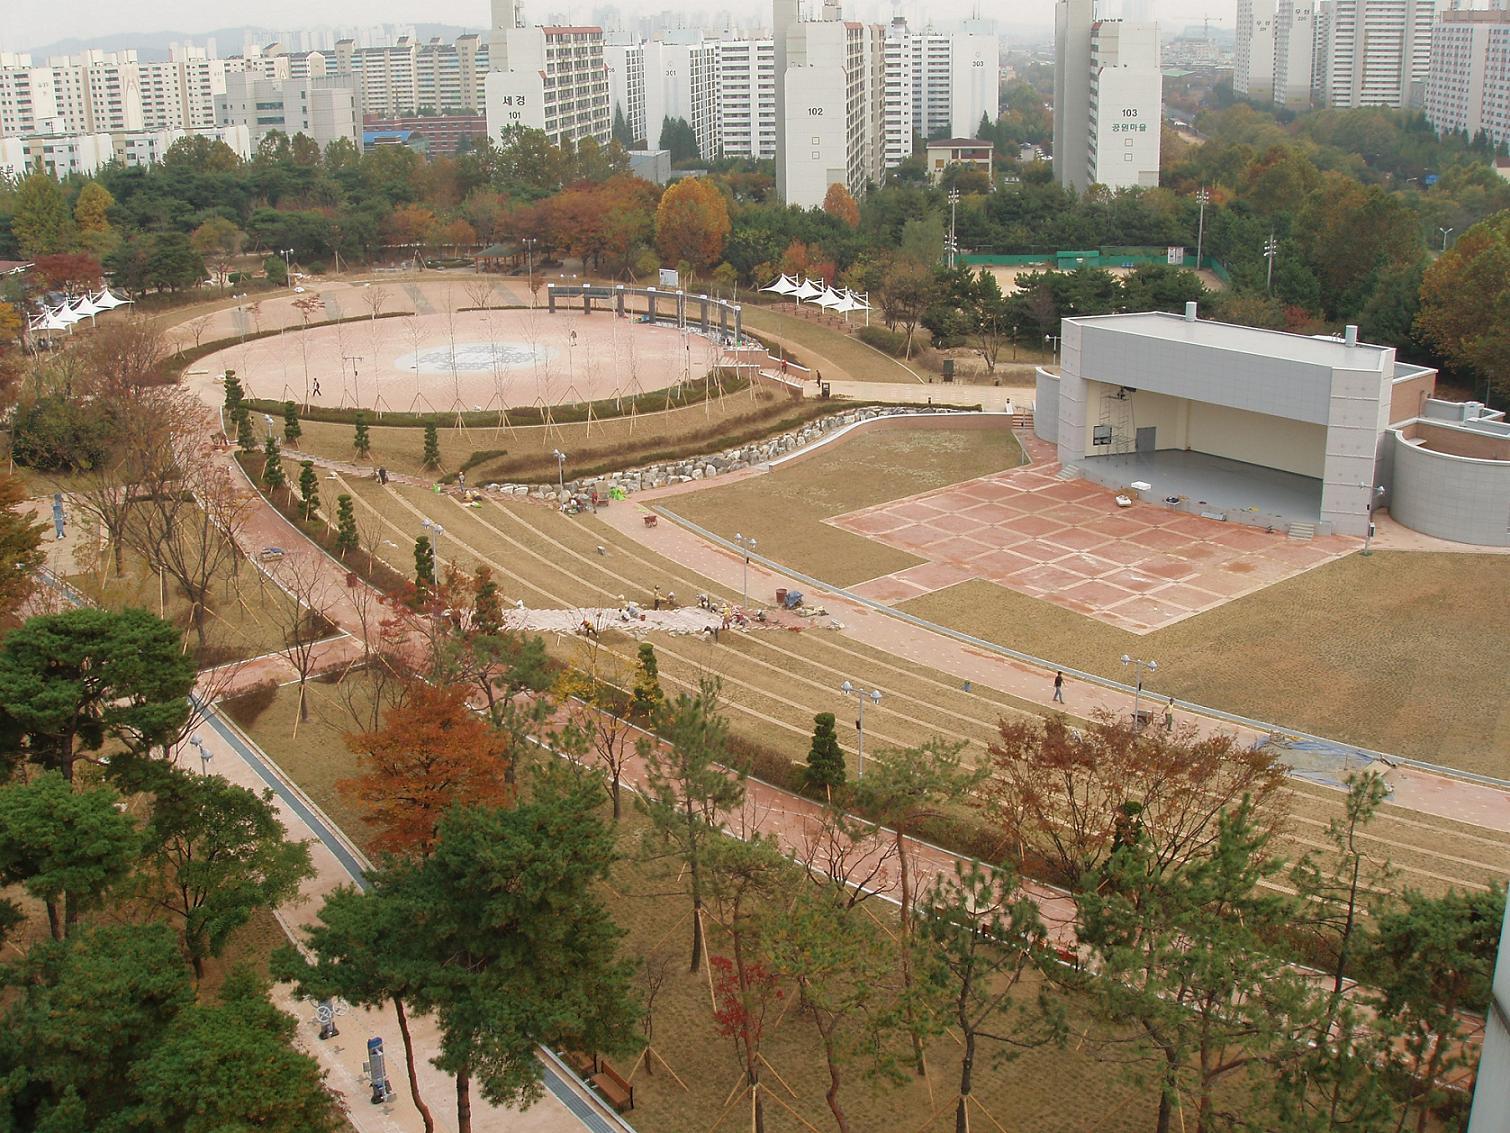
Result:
x=322 y=109
x=1468 y=87
x=1373 y=52
x=899 y=100
x=830 y=120
x=1108 y=100
x=1276 y=42
x=625 y=63
x=28 y=99
x=747 y=98
x=547 y=78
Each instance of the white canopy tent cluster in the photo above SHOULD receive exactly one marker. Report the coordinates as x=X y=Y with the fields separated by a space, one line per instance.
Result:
x=65 y=314
x=821 y=294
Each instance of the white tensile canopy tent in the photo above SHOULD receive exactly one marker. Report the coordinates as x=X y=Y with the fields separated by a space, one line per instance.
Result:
x=808 y=290
x=782 y=286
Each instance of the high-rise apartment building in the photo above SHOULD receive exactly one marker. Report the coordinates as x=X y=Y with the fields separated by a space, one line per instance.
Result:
x=28 y=100
x=548 y=78
x=625 y=63
x=179 y=94
x=952 y=80
x=899 y=107
x=1468 y=85
x=323 y=109
x=682 y=81
x=1373 y=52
x=1276 y=44
x=747 y=98
x=831 y=104
x=1108 y=108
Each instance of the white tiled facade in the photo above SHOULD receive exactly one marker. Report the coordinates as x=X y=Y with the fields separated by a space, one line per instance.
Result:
x=321 y=109
x=747 y=98
x=834 y=110
x=1468 y=88
x=547 y=78
x=1124 y=111
x=1275 y=51
x=1373 y=52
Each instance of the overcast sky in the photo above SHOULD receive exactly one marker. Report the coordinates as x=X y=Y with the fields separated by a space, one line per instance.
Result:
x=28 y=23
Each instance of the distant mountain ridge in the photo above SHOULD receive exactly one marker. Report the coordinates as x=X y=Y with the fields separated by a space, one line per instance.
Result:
x=153 y=45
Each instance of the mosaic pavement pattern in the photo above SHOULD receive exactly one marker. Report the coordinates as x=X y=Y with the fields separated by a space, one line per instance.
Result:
x=1067 y=542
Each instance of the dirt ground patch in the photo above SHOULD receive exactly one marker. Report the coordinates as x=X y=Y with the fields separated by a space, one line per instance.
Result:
x=1403 y=652
x=785 y=510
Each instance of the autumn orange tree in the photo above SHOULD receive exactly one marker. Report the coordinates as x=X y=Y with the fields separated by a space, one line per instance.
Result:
x=692 y=223
x=840 y=204
x=1065 y=798
x=431 y=752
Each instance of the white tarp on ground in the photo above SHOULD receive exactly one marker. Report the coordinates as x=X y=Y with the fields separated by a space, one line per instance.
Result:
x=687 y=619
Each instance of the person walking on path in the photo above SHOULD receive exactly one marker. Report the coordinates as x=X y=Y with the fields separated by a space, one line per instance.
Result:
x=1169 y=715
x=1059 y=686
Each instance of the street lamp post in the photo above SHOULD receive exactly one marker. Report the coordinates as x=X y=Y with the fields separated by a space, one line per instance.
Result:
x=1054 y=339
x=436 y=531
x=1446 y=232
x=1271 y=249
x=953 y=209
x=861 y=695
x=748 y=546
x=560 y=468
x=204 y=754
x=1203 y=197
x=529 y=260
x=288 y=267
x=1142 y=665
x=1368 y=533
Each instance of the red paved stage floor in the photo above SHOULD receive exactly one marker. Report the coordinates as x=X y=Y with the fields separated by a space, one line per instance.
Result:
x=1067 y=542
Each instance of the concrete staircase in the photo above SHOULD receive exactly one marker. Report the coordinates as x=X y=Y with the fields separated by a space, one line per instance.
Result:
x=1068 y=472
x=1022 y=421
x=1302 y=532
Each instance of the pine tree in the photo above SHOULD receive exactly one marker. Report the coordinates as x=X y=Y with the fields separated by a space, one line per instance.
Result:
x=272 y=465
x=234 y=394
x=362 y=442
x=487 y=607
x=346 y=525
x=309 y=489
x=647 y=698
x=245 y=438
x=432 y=447
x=291 y=429
x=825 y=762
x=424 y=563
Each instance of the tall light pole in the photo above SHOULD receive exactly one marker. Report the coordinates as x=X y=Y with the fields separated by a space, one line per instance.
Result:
x=1203 y=198
x=1142 y=666
x=204 y=754
x=1368 y=533
x=436 y=531
x=1052 y=338
x=748 y=547
x=862 y=695
x=1446 y=232
x=1271 y=249
x=953 y=208
x=529 y=261
x=560 y=468
x=288 y=267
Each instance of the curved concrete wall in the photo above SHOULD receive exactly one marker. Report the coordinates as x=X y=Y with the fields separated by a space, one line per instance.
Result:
x=1452 y=497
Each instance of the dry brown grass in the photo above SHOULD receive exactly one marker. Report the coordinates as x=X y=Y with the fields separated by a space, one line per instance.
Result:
x=786 y=509
x=774 y=682
x=1403 y=652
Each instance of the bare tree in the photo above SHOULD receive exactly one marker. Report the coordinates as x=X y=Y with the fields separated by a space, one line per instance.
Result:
x=373 y=298
x=1068 y=797
x=189 y=516
x=301 y=612
x=120 y=358
x=479 y=292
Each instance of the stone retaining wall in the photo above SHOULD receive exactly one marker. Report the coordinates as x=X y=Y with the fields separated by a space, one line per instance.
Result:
x=734 y=459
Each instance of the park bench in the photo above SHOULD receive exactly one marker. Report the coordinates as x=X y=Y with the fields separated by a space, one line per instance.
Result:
x=615 y=1088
